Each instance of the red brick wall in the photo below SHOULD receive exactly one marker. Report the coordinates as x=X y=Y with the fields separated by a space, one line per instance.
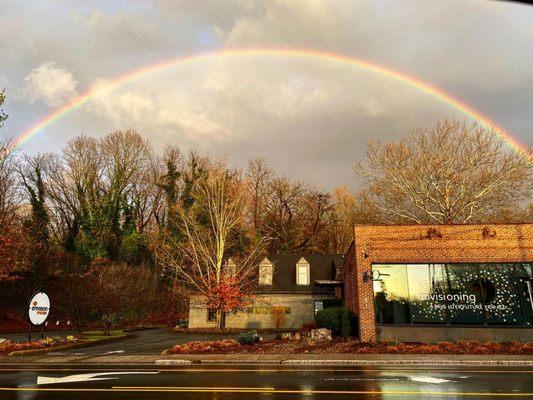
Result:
x=425 y=244
x=348 y=274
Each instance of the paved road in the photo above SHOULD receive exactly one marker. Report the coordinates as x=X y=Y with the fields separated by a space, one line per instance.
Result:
x=149 y=341
x=144 y=342
x=146 y=381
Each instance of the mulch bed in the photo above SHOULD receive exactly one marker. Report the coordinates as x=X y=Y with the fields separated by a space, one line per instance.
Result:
x=341 y=346
x=226 y=331
x=5 y=349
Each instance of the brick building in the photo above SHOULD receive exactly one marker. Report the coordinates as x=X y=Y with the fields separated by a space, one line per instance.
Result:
x=441 y=282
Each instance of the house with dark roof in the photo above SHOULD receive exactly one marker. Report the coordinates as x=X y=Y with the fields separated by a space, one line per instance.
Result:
x=290 y=289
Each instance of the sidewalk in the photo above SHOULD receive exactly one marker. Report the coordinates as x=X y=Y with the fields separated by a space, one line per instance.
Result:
x=348 y=359
x=283 y=359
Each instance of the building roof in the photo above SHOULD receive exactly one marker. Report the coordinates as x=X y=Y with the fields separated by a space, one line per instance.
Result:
x=323 y=267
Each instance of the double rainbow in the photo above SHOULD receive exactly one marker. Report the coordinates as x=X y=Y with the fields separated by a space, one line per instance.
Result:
x=358 y=63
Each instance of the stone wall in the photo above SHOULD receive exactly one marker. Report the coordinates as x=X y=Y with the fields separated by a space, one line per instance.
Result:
x=299 y=309
x=425 y=244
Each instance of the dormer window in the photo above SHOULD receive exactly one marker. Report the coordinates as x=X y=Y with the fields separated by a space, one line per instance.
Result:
x=266 y=270
x=302 y=272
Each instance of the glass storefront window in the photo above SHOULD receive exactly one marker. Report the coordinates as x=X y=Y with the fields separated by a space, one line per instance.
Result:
x=465 y=304
x=427 y=286
x=456 y=294
x=501 y=295
x=391 y=295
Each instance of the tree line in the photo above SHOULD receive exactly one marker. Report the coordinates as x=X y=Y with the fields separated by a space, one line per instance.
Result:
x=119 y=232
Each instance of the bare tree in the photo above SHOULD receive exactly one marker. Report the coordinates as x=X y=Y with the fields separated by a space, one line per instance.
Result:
x=211 y=228
x=9 y=193
x=3 y=116
x=293 y=215
x=452 y=173
x=258 y=175
x=14 y=248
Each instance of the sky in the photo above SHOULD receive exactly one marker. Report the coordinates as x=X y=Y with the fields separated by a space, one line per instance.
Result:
x=310 y=118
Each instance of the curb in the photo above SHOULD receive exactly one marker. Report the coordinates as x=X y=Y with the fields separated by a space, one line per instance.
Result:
x=174 y=362
x=241 y=362
x=69 y=346
x=517 y=363
x=409 y=362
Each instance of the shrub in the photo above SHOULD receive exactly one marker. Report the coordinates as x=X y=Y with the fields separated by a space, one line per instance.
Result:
x=248 y=337
x=338 y=319
x=48 y=341
x=345 y=327
x=329 y=318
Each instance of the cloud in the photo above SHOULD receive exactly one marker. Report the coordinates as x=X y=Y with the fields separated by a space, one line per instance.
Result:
x=311 y=119
x=50 y=84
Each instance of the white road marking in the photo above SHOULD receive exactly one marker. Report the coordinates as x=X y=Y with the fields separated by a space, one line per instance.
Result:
x=98 y=376
x=114 y=352
x=428 y=379
x=362 y=379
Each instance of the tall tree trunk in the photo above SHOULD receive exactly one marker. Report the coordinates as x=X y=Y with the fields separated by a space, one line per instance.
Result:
x=221 y=319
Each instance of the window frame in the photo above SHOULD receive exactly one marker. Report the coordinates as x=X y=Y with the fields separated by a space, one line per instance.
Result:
x=303 y=264
x=266 y=264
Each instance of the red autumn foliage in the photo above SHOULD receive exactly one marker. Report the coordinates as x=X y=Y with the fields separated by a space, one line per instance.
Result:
x=218 y=346
x=7 y=348
x=307 y=327
x=341 y=346
x=461 y=347
x=12 y=323
x=13 y=252
x=227 y=295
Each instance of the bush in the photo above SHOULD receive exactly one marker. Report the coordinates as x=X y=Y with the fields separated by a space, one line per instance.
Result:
x=48 y=341
x=339 y=319
x=345 y=327
x=248 y=337
x=329 y=318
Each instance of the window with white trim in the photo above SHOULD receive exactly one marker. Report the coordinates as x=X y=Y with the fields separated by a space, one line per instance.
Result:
x=302 y=272
x=265 y=273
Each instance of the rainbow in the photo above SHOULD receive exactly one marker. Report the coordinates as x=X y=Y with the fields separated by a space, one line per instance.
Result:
x=359 y=63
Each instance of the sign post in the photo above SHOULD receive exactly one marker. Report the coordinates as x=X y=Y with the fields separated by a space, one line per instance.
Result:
x=38 y=311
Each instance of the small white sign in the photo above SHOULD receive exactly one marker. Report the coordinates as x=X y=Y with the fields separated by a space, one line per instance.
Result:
x=39 y=308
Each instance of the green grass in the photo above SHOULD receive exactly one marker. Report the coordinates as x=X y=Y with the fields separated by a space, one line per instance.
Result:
x=99 y=335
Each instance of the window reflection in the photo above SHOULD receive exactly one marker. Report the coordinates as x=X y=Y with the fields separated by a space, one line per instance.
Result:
x=452 y=294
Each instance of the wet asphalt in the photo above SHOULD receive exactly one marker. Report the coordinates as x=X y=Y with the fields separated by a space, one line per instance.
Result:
x=148 y=381
x=24 y=380
x=143 y=342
